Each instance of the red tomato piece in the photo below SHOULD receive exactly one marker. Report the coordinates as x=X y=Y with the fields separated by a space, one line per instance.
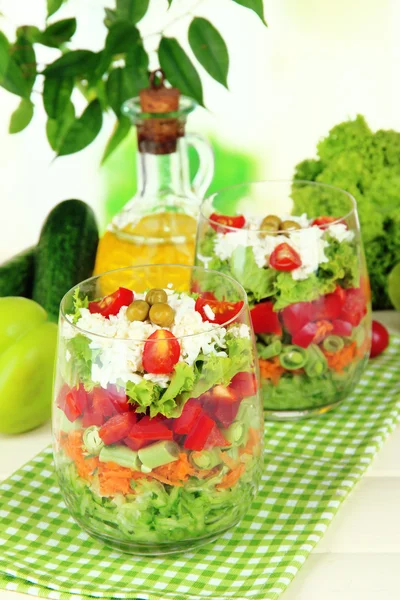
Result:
x=118 y=398
x=223 y=311
x=73 y=401
x=342 y=328
x=197 y=437
x=150 y=429
x=222 y=223
x=264 y=319
x=354 y=306
x=221 y=411
x=117 y=428
x=244 y=384
x=135 y=443
x=284 y=258
x=224 y=394
x=380 y=339
x=112 y=304
x=91 y=417
x=102 y=403
x=305 y=336
x=295 y=316
x=191 y=412
x=161 y=352
x=329 y=306
x=216 y=439
x=323 y=222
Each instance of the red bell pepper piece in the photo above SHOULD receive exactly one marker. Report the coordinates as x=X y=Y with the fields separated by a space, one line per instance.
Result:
x=305 y=335
x=118 y=398
x=73 y=401
x=112 y=304
x=135 y=444
x=244 y=384
x=354 y=307
x=223 y=412
x=91 y=417
x=197 y=438
x=296 y=315
x=264 y=319
x=102 y=403
x=216 y=439
x=342 y=328
x=329 y=306
x=117 y=428
x=150 y=429
x=190 y=414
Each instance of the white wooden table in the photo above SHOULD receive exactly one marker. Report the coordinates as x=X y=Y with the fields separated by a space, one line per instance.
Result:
x=359 y=557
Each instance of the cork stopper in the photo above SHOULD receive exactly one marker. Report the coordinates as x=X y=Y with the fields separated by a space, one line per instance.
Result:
x=158 y=135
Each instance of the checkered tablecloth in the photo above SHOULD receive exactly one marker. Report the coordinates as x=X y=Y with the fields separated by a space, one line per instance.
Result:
x=310 y=467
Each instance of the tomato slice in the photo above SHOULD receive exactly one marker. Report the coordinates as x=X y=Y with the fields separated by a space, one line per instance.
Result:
x=161 y=352
x=264 y=319
x=284 y=258
x=197 y=437
x=304 y=336
x=354 y=307
x=117 y=428
x=221 y=411
x=296 y=315
x=112 y=304
x=342 y=328
x=380 y=339
x=149 y=430
x=218 y=222
x=102 y=403
x=329 y=306
x=118 y=398
x=223 y=311
x=191 y=412
x=323 y=222
x=244 y=384
x=216 y=439
x=73 y=401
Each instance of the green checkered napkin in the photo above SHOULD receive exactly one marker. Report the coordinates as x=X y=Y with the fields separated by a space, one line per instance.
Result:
x=310 y=467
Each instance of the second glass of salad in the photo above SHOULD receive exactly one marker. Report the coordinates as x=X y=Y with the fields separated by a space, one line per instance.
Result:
x=307 y=287
x=157 y=416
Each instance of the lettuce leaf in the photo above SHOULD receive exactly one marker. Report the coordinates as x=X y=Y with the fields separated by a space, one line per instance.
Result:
x=79 y=303
x=257 y=281
x=79 y=367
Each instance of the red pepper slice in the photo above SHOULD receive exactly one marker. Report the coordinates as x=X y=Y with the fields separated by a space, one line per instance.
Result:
x=102 y=403
x=91 y=417
x=223 y=311
x=296 y=315
x=305 y=336
x=117 y=428
x=72 y=401
x=323 y=222
x=191 y=412
x=342 y=328
x=150 y=429
x=354 y=307
x=197 y=438
x=329 y=306
x=161 y=352
x=221 y=411
x=218 y=222
x=118 y=398
x=216 y=439
x=112 y=304
x=244 y=384
x=264 y=319
x=284 y=258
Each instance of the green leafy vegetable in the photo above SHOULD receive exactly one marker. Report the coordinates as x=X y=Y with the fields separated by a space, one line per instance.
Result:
x=259 y=282
x=79 y=367
x=179 y=69
x=210 y=49
x=145 y=394
x=79 y=303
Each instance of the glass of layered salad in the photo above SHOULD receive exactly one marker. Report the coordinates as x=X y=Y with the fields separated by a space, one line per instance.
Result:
x=307 y=287
x=157 y=414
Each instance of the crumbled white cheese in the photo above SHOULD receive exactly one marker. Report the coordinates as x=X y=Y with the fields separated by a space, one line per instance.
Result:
x=340 y=232
x=240 y=331
x=161 y=380
x=67 y=355
x=208 y=311
x=226 y=243
x=310 y=246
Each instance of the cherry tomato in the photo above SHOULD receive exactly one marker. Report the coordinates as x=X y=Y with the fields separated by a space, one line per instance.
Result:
x=112 y=304
x=117 y=428
x=284 y=258
x=354 y=306
x=380 y=339
x=244 y=384
x=264 y=319
x=323 y=222
x=296 y=315
x=161 y=352
x=218 y=221
x=223 y=311
x=329 y=306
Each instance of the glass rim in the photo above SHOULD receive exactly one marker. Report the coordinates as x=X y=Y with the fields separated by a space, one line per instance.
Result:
x=132 y=108
x=161 y=265
x=337 y=221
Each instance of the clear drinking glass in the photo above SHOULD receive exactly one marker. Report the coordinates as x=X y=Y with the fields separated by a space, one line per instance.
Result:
x=307 y=285
x=151 y=461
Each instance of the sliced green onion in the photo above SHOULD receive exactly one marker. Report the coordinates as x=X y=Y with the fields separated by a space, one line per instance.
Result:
x=122 y=455
x=273 y=349
x=333 y=343
x=358 y=335
x=293 y=357
x=92 y=441
x=205 y=459
x=316 y=363
x=236 y=433
x=159 y=454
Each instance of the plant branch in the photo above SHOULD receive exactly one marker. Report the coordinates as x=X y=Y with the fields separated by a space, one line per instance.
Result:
x=176 y=20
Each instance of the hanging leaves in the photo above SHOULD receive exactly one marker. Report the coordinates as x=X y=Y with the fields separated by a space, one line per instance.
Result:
x=121 y=37
x=82 y=131
x=58 y=33
x=4 y=55
x=77 y=63
x=21 y=117
x=179 y=69
x=210 y=49
x=256 y=6
x=53 y=6
x=137 y=65
x=131 y=10
x=18 y=66
x=56 y=129
x=119 y=87
x=56 y=95
x=121 y=130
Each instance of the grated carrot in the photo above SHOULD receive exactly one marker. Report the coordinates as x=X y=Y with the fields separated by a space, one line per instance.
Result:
x=271 y=369
x=231 y=478
x=324 y=329
x=228 y=460
x=176 y=471
x=339 y=360
x=72 y=444
x=252 y=442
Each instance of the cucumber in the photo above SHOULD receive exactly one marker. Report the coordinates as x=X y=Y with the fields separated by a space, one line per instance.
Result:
x=16 y=274
x=65 y=254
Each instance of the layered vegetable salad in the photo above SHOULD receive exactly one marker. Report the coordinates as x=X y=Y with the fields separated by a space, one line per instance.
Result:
x=158 y=419
x=308 y=297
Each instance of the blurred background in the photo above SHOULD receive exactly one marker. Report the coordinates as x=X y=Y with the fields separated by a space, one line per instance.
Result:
x=317 y=64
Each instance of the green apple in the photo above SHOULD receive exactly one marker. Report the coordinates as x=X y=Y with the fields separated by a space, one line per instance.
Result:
x=27 y=353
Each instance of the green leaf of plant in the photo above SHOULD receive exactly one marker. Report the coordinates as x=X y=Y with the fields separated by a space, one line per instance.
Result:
x=179 y=69
x=169 y=3
x=120 y=86
x=56 y=129
x=110 y=18
x=78 y=63
x=256 y=6
x=83 y=130
x=20 y=73
x=137 y=66
x=121 y=130
x=30 y=32
x=58 y=33
x=121 y=37
x=209 y=48
x=53 y=6
x=4 y=55
x=56 y=95
x=132 y=10
x=21 y=117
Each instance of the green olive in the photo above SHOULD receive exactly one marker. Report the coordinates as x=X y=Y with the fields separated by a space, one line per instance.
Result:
x=289 y=225
x=138 y=310
x=155 y=296
x=162 y=314
x=271 y=223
